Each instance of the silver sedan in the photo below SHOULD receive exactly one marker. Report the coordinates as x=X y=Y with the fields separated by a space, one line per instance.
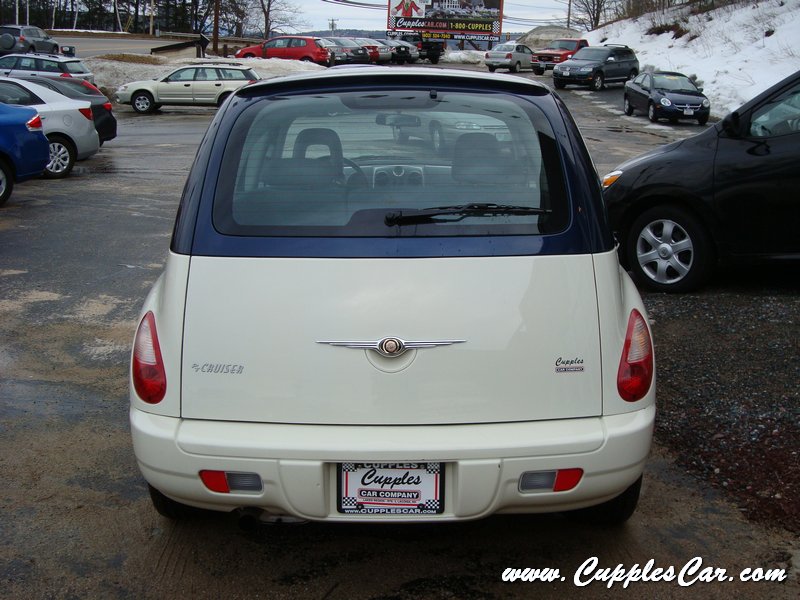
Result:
x=511 y=56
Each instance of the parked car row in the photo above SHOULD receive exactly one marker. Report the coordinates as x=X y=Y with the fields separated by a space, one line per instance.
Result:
x=49 y=123
x=330 y=51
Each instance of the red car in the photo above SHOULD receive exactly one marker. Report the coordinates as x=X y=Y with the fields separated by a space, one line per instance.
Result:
x=292 y=47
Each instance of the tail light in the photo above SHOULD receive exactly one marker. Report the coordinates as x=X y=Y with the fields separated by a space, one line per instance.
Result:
x=635 y=374
x=86 y=112
x=509 y=55
x=419 y=45
x=486 y=55
x=561 y=480
x=147 y=366
x=21 y=38
x=65 y=75
x=108 y=106
x=35 y=124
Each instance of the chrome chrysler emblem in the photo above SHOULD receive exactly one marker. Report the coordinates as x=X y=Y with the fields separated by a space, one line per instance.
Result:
x=390 y=347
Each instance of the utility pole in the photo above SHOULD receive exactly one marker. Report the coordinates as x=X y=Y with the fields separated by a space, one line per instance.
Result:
x=569 y=12
x=332 y=25
x=215 y=34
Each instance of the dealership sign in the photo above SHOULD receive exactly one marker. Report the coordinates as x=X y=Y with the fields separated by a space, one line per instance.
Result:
x=479 y=20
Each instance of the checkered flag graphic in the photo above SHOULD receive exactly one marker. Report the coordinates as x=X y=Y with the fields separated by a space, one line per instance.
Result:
x=392 y=21
x=349 y=502
x=432 y=468
x=432 y=504
x=348 y=467
x=496 y=27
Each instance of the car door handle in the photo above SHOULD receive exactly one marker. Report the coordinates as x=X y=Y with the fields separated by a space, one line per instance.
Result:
x=217 y=85
x=186 y=84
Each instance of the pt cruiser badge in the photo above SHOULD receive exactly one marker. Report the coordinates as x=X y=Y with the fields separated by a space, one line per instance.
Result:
x=391 y=347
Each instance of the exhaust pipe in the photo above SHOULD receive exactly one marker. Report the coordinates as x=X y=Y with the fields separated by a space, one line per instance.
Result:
x=249 y=518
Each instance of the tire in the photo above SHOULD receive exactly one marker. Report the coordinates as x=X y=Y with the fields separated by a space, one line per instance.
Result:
x=435 y=60
x=627 y=107
x=702 y=120
x=437 y=138
x=306 y=59
x=167 y=507
x=248 y=55
x=612 y=513
x=538 y=71
x=514 y=68
x=669 y=250
x=56 y=49
x=598 y=82
x=31 y=49
x=559 y=85
x=7 y=41
x=651 y=112
x=6 y=181
x=632 y=74
x=142 y=102
x=492 y=69
x=62 y=157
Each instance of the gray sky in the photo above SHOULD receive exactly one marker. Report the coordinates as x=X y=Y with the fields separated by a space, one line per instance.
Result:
x=317 y=13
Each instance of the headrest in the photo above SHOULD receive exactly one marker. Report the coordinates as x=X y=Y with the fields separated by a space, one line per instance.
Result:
x=318 y=136
x=477 y=159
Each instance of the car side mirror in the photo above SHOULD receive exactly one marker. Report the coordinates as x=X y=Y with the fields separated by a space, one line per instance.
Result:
x=700 y=90
x=610 y=59
x=731 y=124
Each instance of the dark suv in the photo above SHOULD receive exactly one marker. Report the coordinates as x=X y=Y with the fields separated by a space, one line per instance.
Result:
x=25 y=38
x=597 y=65
x=430 y=49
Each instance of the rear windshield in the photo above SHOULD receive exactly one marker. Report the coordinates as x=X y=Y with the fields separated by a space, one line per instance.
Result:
x=402 y=163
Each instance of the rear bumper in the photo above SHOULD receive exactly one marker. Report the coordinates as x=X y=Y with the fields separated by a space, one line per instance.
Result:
x=483 y=463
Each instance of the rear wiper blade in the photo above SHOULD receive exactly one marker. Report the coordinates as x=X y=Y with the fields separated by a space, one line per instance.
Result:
x=482 y=209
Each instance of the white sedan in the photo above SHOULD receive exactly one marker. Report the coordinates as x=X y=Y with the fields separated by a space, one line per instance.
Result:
x=68 y=124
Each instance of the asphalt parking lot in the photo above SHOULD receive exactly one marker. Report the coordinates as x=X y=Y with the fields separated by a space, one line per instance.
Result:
x=77 y=257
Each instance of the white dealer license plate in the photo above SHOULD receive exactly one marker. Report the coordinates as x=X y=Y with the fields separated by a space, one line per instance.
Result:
x=688 y=112
x=390 y=488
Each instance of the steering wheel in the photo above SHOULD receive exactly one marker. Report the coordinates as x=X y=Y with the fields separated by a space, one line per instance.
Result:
x=357 y=179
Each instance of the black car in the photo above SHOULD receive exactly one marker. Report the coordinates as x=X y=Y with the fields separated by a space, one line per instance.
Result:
x=666 y=95
x=349 y=52
x=79 y=89
x=728 y=193
x=25 y=38
x=595 y=66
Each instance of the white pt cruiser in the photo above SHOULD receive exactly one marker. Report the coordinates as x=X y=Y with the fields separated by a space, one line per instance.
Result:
x=359 y=326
